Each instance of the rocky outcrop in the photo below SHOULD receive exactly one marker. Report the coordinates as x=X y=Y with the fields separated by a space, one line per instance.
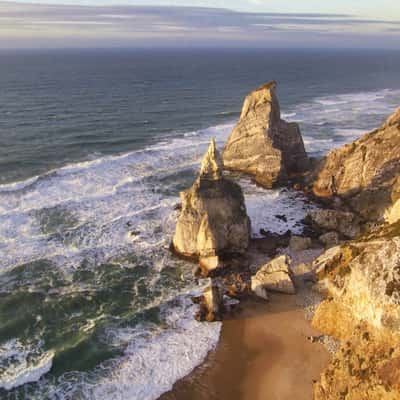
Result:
x=365 y=173
x=274 y=276
x=299 y=243
x=213 y=221
x=262 y=144
x=211 y=303
x=362 y=310
x=345 y=223
x=329 y=239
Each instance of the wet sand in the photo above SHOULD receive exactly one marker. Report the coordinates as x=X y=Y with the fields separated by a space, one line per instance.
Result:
x=263 y=354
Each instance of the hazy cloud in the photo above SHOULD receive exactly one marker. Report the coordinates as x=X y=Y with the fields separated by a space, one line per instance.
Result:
x=34 y=25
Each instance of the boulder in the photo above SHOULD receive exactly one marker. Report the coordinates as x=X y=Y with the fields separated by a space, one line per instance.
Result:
x=213 y=221
x=274 y=276
x=300 y=243
x=262 y=144
x=365 y=173
x=345 y=223
x=329 y=239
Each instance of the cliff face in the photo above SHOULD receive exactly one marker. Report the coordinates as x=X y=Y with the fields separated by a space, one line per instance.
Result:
x=213 y=220
x=366 y=173
x=362 y=280
x=262 y=144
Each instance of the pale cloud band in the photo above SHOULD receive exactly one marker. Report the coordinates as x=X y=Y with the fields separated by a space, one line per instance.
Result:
x=33 y=26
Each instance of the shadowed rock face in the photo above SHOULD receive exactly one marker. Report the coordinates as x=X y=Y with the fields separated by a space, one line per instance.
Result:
x=262 y=144
x=366 y=173
x=213 y=220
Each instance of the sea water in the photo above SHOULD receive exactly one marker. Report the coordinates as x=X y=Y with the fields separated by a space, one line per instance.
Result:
x=95 y=147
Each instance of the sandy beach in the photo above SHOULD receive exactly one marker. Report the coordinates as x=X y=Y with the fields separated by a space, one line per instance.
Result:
x=263 y=354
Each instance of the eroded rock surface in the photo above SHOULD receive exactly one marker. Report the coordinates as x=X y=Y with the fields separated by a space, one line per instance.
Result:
x=274 y=276
x=213 y=221
x=362 y=310
x=366 y=173
x=262 y=144
x=329 y=239
x=345 y=223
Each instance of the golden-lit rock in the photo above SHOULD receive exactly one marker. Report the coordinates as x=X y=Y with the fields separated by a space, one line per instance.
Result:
x=362 y=310
x=275 y=276
x=213 y=221
x=365 y=173
x=262 y=144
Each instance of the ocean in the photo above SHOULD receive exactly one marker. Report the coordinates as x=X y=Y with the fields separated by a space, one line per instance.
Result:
x=94 y=148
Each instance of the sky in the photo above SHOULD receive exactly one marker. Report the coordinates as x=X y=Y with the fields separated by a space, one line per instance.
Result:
x=200 y=23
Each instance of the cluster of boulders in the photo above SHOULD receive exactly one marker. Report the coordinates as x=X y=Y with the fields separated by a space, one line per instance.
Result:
x=358 y=223
x=213 y=227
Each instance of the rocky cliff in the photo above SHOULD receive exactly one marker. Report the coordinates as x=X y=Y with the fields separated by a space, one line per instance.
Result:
x=365 y=173
x=362 y=310
x=262 y=144
x=213 y=221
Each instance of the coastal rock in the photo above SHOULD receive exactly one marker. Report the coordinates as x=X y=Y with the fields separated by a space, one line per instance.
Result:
x=345 y=223
x=365 y=173
x=274 y=276
x=329 y=239
x=362 y=310
x=300 y=243
x=262 y=144
x=211 y=303
x=213 y=221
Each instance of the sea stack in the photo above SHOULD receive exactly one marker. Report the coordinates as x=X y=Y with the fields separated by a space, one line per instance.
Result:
x=262 y=144
x=213 y=222
x=365 y=173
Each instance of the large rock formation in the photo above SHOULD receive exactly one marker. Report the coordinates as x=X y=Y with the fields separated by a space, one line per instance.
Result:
x=366 y=173
x=262 y=144
x=213 y=221
x=362 y=310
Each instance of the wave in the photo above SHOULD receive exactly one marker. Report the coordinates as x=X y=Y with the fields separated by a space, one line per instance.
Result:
x=288 y=115
x=151 y=363
x=330 y=121
x=228 y=114
x=22 y=363
x=85 y=212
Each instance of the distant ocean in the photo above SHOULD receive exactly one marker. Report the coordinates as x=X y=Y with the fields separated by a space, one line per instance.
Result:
x=94 y=149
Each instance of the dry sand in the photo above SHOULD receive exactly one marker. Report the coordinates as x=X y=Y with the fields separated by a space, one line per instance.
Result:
x=263 y=354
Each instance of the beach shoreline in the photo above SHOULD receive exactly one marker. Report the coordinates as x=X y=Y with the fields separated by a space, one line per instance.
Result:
x=263 y=353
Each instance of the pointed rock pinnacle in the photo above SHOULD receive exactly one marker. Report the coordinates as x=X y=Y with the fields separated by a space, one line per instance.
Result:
x=211 y=166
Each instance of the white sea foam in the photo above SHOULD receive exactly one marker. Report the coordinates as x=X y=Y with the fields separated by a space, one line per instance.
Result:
x=265 y=207
x=97 y=203
x=331 y=121
x=21 y=363
x=288 y=115
x=328 y=102
x=154 y=359
x=100 y=197
x=149 y=368
x=349 y=133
